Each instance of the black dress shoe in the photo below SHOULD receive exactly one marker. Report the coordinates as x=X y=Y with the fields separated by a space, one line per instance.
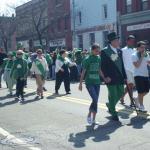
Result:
x=56 y=93
x=44 y=89
x=115 y=118
x=67 y=93
x=107 y=104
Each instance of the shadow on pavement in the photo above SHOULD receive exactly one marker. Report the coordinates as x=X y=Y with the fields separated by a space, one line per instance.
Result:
x=16 y=101
x=4 y=98
x=8 y=103
x=30 y=101
x=101 y=133
x=126 y=112
x=29 y=94
x=53 y=96
x=138 y=122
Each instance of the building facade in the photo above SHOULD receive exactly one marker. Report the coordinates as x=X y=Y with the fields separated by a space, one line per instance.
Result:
x=8 y=33
x=92 y=21
x=134 y=18
x=59 y=18
x=32 y=24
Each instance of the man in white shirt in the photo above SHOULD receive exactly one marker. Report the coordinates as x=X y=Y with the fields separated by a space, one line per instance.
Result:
x=127 y=52
x=140 y=61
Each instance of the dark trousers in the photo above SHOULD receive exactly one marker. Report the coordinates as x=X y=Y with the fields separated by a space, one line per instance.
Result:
x=62 y=77
x=94 y=93
x=20 y=87
x=1 y=73
x=73 y=73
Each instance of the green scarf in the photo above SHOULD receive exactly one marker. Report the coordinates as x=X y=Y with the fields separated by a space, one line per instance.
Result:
x=61 y=58
x=41 y=68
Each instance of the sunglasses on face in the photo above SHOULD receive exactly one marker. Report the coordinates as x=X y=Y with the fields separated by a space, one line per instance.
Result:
x=19 y=54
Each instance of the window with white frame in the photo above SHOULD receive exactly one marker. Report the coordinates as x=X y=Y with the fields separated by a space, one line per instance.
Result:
x=92 y=38
x=80 y=41
x=80 y=17
x=145 y=4
x=105 y=41
x=105 y=11
x=128 y=6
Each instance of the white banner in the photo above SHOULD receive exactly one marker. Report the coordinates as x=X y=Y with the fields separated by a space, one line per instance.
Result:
x=58 y=42
x=37 y=42
x=138 y=27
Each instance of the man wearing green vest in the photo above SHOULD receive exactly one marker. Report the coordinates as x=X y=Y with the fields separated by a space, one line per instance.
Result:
x=40 y=67
x=19 y=72
x=113 y=67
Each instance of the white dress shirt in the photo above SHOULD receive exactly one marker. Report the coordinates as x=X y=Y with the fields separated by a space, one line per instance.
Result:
x=127 y=58
x=114 y=49
x=35 y=69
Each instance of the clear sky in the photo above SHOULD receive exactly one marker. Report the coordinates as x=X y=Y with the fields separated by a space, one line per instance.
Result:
x=4 y=9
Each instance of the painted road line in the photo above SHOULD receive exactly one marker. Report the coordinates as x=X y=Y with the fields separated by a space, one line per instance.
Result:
x=87 y=102
x=12 y=139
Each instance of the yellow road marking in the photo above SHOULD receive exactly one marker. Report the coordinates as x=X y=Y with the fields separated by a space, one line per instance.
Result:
x=87 y=102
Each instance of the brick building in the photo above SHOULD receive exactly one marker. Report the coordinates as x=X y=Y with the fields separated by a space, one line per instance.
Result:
x=60 y=34
x=8 y=33
x=134 y=18
x=32 y=18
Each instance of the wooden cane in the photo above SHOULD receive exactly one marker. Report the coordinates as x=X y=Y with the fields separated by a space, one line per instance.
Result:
x=131 y=98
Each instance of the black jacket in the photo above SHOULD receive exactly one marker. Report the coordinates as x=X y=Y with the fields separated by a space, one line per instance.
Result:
x=111 y=70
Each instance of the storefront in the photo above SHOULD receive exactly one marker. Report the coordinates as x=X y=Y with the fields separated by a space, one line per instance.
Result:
x=140 y=30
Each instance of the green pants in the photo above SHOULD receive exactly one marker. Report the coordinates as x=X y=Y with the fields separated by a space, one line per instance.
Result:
x=115 y=92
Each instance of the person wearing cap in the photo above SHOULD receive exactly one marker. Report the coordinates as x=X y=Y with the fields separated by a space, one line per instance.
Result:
x=49 y=62
x=113 y=67
x=78 y=60
x=40 y=68
x=92 y=72
x=62 y=71
x=19 y=72
x=141 y=60
x=127 y=52
x=7 y=66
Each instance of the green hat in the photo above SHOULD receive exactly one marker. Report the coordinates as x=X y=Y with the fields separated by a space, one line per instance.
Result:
x=112 y=36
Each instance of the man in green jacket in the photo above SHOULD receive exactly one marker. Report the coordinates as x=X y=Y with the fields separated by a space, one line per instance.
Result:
x=19 y=73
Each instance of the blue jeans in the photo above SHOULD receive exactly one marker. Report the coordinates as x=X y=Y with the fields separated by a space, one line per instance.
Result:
x=79 y=67
x=53 y=72
x=94 y=93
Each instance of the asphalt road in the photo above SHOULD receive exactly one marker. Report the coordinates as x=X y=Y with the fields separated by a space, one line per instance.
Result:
x=59 y=123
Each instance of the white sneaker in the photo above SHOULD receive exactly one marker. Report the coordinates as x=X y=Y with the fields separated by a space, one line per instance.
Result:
x=142 y=108
x=95 y=122
x=89 y=120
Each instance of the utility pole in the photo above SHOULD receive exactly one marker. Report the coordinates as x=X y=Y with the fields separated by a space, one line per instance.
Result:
x=74 y=23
